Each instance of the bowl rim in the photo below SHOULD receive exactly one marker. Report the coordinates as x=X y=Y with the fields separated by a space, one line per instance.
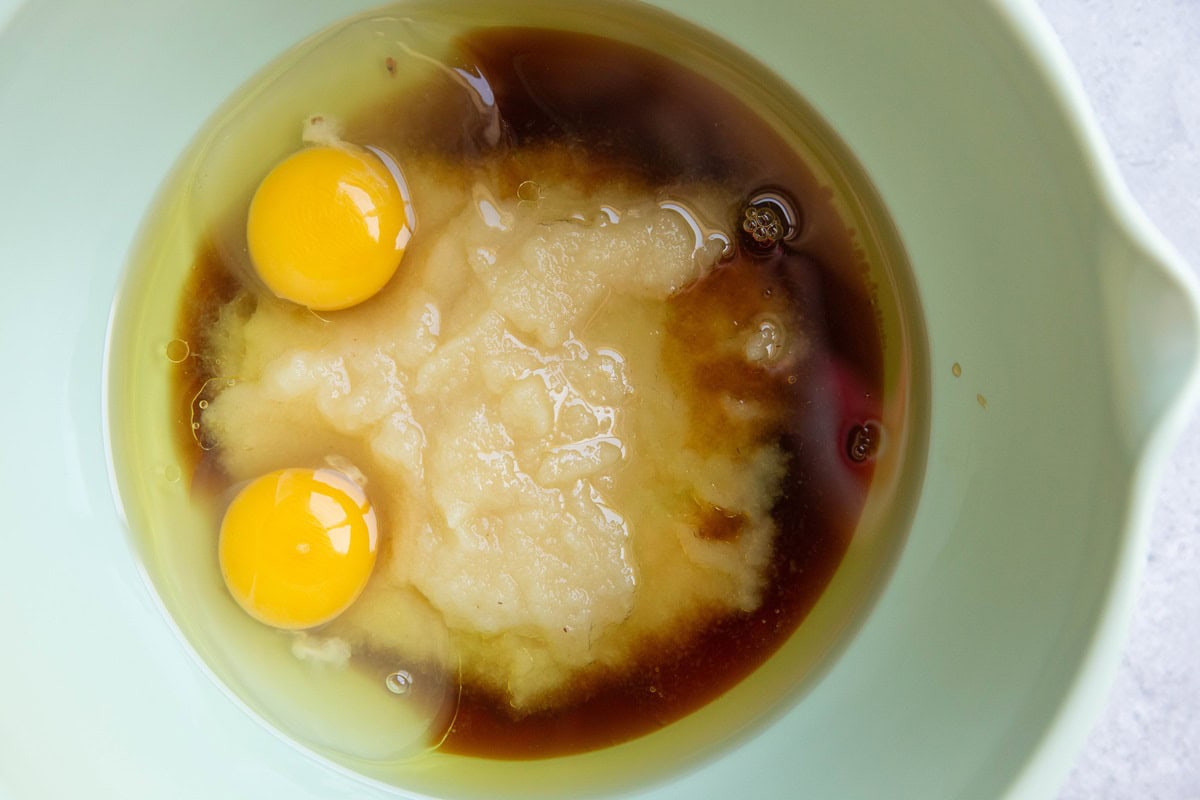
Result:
x=1052 y=755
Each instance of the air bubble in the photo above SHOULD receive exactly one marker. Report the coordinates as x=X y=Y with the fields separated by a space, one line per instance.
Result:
x=201 y=401
x=399 y=682
x=862 y=443
x=763 y=225
x=172 y=473
x=769 y=219
x=177 y=351
x=530 y=193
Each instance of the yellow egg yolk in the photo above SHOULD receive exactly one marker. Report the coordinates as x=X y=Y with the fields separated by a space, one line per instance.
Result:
x=297 y=546
x=327 y=227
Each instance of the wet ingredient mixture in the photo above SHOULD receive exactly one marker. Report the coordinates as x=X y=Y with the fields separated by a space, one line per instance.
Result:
x=581 y=368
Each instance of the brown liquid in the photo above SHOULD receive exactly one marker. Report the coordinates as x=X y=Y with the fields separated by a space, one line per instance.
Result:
x=666 y=126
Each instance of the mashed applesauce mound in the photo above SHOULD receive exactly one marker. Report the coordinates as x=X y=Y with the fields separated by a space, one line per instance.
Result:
x=507 y=403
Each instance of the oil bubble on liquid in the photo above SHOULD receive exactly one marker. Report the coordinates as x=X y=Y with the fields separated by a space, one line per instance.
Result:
x=769 y=219
x=177 y=351
x=863 y=441
x=398 y=682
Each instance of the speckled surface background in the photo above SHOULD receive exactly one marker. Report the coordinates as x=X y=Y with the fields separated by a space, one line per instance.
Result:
x=1139 y=61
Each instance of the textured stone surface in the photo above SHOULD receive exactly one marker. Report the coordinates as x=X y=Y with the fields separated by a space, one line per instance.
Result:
x=1139 y=61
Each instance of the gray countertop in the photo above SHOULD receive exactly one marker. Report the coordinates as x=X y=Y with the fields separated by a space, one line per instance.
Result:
x=1139 y=61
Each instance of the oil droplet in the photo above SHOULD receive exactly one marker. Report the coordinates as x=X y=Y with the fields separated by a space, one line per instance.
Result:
x=172 y=473
x=791 y=380
x=982 y=401
x=956 y=370
x=862 y=443
x=177 y=351
x=399 y=682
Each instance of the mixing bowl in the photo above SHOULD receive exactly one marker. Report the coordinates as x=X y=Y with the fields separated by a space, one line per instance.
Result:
x=1063 y=348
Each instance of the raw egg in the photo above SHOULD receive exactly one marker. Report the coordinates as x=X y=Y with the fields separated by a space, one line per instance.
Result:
x=327 y=227
x=297 y=546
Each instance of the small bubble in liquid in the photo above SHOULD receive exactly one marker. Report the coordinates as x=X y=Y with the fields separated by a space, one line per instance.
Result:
x=770 y=218
x=177 y=351
x=862 y=443
x=195 y=426
x=763 y=225
x=399 y=682
x=172 y=473
x=202 y=404
x=529 y=192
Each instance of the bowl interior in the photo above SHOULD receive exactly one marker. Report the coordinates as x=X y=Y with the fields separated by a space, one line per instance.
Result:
x=174 y=537
x=1018 y=555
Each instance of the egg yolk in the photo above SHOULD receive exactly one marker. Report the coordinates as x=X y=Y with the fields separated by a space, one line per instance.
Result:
x=297 y=546
x=327 y=227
